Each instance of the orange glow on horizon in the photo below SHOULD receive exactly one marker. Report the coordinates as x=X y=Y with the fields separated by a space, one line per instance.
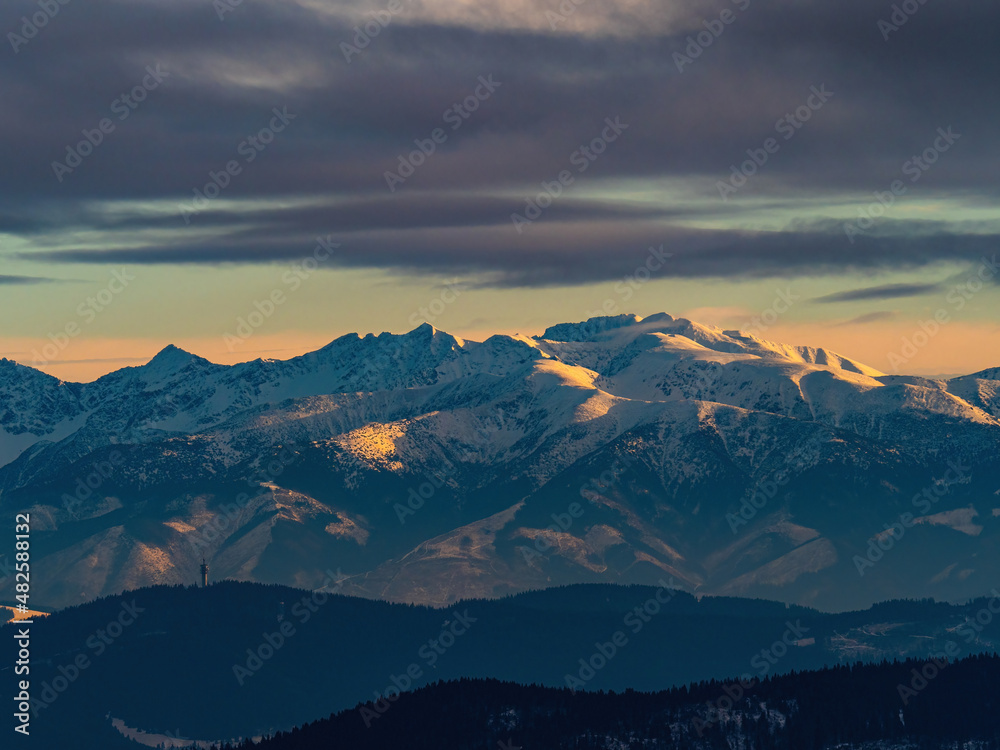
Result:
x=958 y=348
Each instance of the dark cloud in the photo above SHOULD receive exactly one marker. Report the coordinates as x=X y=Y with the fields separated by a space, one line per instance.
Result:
x=22 y=280
x=402 y=212
x=886 y=291
x=354 y=121
x=556 y=253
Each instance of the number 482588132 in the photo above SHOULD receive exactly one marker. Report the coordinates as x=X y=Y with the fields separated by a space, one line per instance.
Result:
x=22 y=531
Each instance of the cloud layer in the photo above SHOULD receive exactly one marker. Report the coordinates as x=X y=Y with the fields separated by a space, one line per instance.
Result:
x=323 y=173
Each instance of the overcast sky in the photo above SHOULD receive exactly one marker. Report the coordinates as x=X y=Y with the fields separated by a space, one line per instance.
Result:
x=819 y=173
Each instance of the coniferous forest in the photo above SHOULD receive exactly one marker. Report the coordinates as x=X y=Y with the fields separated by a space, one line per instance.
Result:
x=890 y=704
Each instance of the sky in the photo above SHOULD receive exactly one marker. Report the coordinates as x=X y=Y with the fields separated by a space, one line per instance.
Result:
x=251 y=178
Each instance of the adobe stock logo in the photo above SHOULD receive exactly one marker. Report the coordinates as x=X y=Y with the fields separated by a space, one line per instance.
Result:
x=48 y=9
x=126 y=103
x=901 y=13
x=698 y=43
x=364 y=34
x=582 y=159
x=250 y=148
x=456 y=115
x=88 y=310
x=292 y=278
x=786 y=127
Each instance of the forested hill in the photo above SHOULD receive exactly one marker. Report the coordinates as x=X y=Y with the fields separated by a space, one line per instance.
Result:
x=244 y=659
x=911 y=704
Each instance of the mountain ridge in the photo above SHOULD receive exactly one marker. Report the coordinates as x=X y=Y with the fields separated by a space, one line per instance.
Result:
x=389 y=455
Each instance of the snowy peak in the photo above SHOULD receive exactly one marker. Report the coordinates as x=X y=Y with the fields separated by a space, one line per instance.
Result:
x=171 y=360
x=165 y=367
x=589 y=330
x=424 y=337
x=621 y=331
x=657 y=359
x=33 y=406
x=992 y=373
x=439 y=341
x=14 y=373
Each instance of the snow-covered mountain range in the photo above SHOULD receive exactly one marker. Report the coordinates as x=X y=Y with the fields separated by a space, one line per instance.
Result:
x=428 y=468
